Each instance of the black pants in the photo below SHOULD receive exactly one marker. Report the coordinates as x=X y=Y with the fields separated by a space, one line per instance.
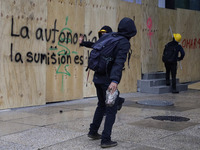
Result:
x=171 y=68
x=100 y=111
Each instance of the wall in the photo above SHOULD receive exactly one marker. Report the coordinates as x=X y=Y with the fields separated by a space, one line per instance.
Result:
x=188 y=26
x=149 y=50
x=40 y=57
x=157 y=34
x=184 y=22
x=65 y=77
x=23 y=83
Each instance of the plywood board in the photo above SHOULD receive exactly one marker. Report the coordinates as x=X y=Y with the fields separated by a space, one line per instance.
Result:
x=195 y=86
x=149 y=36
x=188 y=26
x=64 y=77
x=45 y=38
x=132 y=72
x=97 y=14
x=22 y=83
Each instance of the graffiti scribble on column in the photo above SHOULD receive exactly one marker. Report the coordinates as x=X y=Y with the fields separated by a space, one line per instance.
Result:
x=149 y=25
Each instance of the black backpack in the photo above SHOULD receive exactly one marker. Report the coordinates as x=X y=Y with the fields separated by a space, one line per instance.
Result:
x=169 y=54
x=101 y=55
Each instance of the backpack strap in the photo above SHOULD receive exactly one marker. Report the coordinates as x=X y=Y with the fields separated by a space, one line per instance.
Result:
x=108 y=37
x=87 y=76
x=88 y=57
x=129 y=57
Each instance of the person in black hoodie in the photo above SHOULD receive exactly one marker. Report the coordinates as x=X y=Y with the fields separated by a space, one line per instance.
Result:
x=171 y=63
x=127 y=29
x=105 y=29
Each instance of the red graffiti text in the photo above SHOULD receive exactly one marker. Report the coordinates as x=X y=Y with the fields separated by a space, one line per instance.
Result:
x=191 y=43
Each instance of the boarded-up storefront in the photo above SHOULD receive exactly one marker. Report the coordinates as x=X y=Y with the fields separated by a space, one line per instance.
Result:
x=41 y=60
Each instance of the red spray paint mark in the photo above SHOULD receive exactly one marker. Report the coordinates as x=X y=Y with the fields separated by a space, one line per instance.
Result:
x=149 y=25
x=191 y=43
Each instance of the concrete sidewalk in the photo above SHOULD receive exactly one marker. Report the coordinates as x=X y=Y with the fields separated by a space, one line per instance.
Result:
x=64 y=125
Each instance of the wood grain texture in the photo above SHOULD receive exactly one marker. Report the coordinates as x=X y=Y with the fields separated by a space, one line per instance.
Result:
x=45 y=38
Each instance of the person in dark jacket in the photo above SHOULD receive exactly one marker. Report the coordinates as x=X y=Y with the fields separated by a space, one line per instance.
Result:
x=127 y=29
x=171 y=67
x=105 y=29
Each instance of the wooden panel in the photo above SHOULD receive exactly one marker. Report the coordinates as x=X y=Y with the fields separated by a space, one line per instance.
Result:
x=97 y=14
x=132 y=74
x=2 y=99
x=195 y=86
x=149 y=36
x=64 y=79
x=111 y=16
x=188 y=26
x=45 y=37
x=22 y=83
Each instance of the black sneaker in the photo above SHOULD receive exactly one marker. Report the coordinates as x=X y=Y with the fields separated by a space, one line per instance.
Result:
x=175 y=91
x=167 y=83
x=121 y=101
x=94 y=136
x=108 y=144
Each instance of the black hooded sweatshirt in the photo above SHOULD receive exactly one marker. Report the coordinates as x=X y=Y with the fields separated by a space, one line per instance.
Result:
x=179 y=49
x=127 y=29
